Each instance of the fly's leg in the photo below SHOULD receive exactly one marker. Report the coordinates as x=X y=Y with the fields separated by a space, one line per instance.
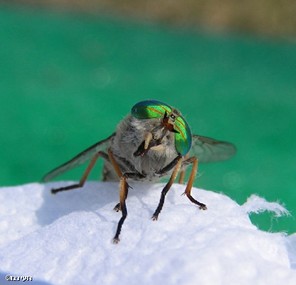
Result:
x=193 y=160
x=123 y=192
x=182 y=176
x=178 y=162
x=133 y=175
x=182 y=173
x=85 y=174
x=170 y=166
x=117 y=207
x=122 y=197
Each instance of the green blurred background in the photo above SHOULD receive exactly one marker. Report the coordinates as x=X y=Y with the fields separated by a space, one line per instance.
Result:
x=69 y=75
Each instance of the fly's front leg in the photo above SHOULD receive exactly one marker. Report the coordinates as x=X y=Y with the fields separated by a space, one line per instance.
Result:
x=122 y=197
x=123 y=192
x=132 y=175
x=177 y=161
x=85 y=174
x=193 y=160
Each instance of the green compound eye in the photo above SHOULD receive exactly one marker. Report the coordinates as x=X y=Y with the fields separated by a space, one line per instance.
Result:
x=183 y=139
x=151 y=109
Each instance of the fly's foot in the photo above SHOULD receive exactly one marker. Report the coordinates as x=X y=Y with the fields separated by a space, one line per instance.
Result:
x=117 y=207
x=154 y=217
x=54 y=191
x=202 y=206
x=115 y=240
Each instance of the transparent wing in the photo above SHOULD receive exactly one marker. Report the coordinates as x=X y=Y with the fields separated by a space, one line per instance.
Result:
x=210 y=150
x=79 y=158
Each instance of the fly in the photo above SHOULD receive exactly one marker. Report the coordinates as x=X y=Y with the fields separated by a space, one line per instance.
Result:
x=153 y=141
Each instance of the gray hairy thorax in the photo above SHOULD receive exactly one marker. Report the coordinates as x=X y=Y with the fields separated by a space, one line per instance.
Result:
x=130 y=134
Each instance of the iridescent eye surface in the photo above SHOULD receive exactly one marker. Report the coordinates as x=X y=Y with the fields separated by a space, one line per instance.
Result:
x=151 y=109
x=183 y=139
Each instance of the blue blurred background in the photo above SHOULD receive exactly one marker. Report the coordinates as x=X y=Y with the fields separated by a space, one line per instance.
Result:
x=70 y=73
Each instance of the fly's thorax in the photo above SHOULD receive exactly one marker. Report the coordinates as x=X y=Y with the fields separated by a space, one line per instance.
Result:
x=132 y=132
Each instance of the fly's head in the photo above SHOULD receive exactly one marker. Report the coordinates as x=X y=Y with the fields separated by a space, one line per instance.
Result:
x=170 y=126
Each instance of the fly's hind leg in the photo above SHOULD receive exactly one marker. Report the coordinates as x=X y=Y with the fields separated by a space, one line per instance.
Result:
x=192 y=160
x=85 y=174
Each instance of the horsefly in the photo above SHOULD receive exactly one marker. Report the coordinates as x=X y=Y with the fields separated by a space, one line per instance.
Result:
x=152 y=142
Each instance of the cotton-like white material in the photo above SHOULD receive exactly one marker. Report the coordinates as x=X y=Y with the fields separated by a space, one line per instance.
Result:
x=66 y=238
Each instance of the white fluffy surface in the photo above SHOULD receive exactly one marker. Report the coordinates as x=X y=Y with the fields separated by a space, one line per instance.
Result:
x=66 y=238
